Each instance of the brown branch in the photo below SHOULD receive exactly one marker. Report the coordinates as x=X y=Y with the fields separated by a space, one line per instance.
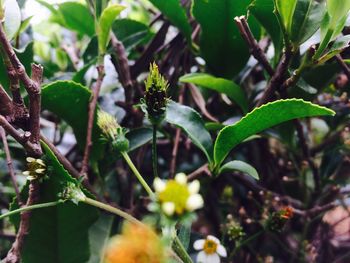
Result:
x=147 y=56
x=6 y=108
x=343 y=65
x=23 y=139
x=10 y=165
x=253 y=45
x=33 y=89
x=14 y=255
x=277 y=78
x=91 y=117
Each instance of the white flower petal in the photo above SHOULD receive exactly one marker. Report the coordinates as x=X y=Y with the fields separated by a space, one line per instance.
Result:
x=159 y=185
x=215 y=239
x=41 y=162
x=26 y=173
x=30 y=159
x=221 y=250
x=213 y=258
x=40 y=171
x=168 y=208
x=194 y=202
x=193 y=187
x=201 y=257
x=199 y=244
x=181 y=178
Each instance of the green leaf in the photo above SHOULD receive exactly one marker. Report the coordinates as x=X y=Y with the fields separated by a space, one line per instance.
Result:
x=228 y=87
x=261 y=119
x=13 y=18
x=307 y=20
x=286 y=10
x=262 y=10
x=339 y=45
x=70 y=101
x=185 y=235
x=240 y=167
x=337 y=10
x=221 y=44
x=99 y=234
x=130 y=32
x=77 y=17
x=58 y=234
x=139 y=137
x=192 y=124
x=105 y=22
x=176 y=14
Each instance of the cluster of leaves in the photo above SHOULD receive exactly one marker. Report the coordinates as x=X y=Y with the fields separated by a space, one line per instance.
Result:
x=258 y=158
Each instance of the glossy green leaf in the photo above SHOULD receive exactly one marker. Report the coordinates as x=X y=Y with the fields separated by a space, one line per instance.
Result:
x=77 y=17
x=286 y=10
x=307 y=20
x=261 y=119
x=176 y=14
x=70 y=101
x=192 y=124
x=139 y=137
x=337 y=10
x=221 y=44
x=130 y=32
x=58 y=234
x=105 y=22
x=228 y=87
x=239 y=166
x=337 y=47
x=262 y=10
x=13 y=18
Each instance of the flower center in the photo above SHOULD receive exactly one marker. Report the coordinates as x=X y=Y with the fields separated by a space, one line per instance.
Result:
x=210 y=247
x=175 y=193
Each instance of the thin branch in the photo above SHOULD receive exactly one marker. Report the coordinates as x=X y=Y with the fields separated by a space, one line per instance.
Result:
x=343 y=65
x=253 y=45
x=33 y=89
x=14 y=255
x=277 y=78
x=10 y=165
x=91 y=117
x=6 y=108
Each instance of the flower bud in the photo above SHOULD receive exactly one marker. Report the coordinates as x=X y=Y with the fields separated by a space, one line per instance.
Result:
x=155 y=98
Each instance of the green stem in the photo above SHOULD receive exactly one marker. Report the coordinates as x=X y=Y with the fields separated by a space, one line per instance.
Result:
x=112 y=210
x=32 y=207
x=323 y=44
x=154 y=152
x=137 y=174
x=181 y=251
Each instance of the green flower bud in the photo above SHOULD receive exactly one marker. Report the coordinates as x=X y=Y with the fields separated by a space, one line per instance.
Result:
x=155 y=98
x=112 y=131
x=279 y=219
x=73 y=193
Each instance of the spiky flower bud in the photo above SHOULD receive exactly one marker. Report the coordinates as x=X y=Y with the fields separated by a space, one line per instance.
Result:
x=155 y=98
x=112 y=131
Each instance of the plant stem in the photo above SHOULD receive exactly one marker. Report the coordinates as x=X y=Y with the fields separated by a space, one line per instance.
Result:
x=246 y=241
x=154 y=152
x=137 y=174
x=181 y=251
x=31 y=207
x=112 y=210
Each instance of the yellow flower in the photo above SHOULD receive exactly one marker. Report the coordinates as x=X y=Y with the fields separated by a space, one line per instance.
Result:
x=136 y=244
x=177 y=196
x=36 y=168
